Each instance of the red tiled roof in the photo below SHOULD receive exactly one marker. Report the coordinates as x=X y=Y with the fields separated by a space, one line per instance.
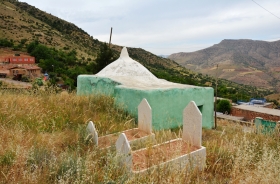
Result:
x=12 y=55
x=27 y=67
x=30 y=67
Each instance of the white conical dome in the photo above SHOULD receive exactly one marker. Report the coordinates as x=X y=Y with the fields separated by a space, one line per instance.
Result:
x=125 y=66
x=132 y=74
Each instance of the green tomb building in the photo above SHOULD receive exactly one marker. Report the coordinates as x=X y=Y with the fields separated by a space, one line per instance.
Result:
x=129 y=82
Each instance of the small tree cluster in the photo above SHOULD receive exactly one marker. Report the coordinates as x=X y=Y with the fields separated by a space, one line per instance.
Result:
x=223 y=106
x=104 y=57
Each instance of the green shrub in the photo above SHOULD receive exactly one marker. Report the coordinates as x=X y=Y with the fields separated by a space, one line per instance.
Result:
x=7 y=159
x=223 y=106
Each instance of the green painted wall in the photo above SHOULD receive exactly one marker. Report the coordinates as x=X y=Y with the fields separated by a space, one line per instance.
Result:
x=90 y=84
x=265 y=126
x=167 y=104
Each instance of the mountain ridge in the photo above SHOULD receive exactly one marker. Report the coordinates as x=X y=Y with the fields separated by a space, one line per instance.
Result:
x=250 y=62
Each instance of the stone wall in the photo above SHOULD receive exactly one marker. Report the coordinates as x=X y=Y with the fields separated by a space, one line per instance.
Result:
x=250 y=115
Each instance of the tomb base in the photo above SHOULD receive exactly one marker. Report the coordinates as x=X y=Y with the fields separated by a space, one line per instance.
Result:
x=175 y=154
x=134 y=136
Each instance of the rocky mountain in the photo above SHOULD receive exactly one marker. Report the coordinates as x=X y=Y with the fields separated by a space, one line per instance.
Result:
x=243 y=61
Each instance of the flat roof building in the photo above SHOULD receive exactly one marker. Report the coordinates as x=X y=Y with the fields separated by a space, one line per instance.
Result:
x=250 y=112
x=17 y=59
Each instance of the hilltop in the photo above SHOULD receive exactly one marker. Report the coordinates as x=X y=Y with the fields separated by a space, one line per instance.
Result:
x=23 y=23
x=249 y=62
x=74 y=49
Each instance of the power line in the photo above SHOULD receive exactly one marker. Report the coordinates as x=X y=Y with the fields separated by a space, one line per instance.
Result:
x=266 y=9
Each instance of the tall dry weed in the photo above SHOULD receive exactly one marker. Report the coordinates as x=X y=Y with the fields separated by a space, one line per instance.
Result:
x=42 y=140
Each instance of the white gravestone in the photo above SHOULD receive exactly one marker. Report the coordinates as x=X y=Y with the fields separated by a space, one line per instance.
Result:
x=92 y=133
x=145 y=116
x=192 y=124
x=123 y=149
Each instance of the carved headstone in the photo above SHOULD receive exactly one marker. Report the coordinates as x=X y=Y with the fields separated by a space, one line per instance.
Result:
x=145 y=116
x=123 y=149
x=92 y=133
x=192 y=124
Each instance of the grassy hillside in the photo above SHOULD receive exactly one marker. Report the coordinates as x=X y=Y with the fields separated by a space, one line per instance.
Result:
x=21 y=22
x=43 y=140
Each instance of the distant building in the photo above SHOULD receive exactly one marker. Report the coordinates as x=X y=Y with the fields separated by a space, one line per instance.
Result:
x=12 y=70
x=257 y=103
x=18 y=65
x=17 y=59
x=31 y=71
x=250 y=112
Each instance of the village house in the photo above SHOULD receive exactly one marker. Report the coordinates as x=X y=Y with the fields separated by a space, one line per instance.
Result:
x=18 y=65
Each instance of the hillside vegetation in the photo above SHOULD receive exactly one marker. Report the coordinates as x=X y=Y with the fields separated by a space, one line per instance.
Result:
x=250 y=62
x=65 y=51
x=43 y=140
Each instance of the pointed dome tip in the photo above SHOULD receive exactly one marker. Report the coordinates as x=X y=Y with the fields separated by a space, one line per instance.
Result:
x=124 y=52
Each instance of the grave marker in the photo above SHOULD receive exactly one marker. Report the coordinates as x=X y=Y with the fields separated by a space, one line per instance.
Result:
x=123 y=149
x=192 y=124
x=192 y=132
x=92 y=133
x=145 y=116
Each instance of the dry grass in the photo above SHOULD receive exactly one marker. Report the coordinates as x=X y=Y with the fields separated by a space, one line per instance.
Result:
x=274 y=97
x=43 y=141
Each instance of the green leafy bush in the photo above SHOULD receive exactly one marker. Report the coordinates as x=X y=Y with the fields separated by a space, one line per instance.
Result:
x=223 y=106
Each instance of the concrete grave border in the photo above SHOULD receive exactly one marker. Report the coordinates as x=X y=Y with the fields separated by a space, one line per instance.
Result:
x=144 y=124
x=192 y=135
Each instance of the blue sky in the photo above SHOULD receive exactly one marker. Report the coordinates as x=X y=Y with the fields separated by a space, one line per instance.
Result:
x=165 y=26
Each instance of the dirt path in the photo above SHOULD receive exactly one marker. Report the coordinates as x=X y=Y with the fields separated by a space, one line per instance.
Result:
x=16 y=83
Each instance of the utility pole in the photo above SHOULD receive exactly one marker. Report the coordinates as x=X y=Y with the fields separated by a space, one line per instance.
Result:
x=216 y=97
x=110 y=37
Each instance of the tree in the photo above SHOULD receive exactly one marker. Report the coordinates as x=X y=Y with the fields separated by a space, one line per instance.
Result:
x=41 y=52
x=223 y=106
x=104 y=57
x=6 y=43
x=32 y=46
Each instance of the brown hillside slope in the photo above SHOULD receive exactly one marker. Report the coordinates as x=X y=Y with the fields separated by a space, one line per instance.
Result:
x=20 y=21
x=248 y=62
